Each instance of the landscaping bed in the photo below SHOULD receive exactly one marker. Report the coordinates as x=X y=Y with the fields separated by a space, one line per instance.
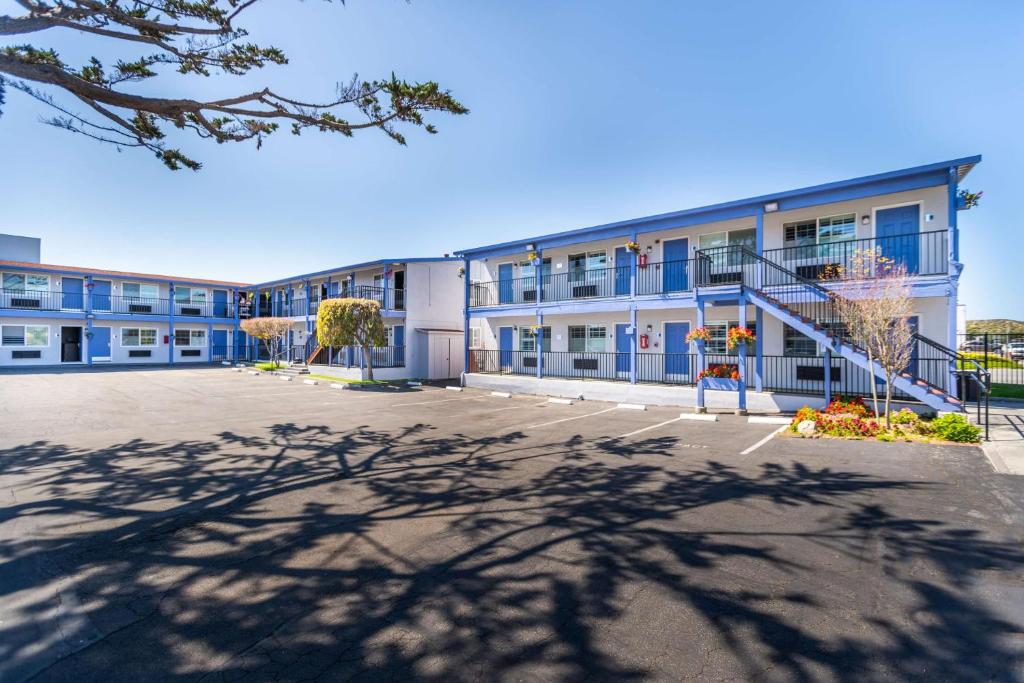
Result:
x=852 y=419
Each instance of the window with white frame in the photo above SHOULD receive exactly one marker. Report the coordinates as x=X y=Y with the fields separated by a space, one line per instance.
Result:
x=795 y=343
x=189 y=295
x=138 y=290
x=25 y=335
x=138 y=336
x=476 y=336
x=586 y=262
x=528 y=270
x=719 y=335
x=26 y=282
x=187 y=337
x=746 y=237
x=528 y=340
x=823 y=230
x=587 y=338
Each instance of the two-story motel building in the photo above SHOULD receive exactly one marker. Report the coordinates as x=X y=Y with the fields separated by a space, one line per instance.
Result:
x=604 y=311
x=68 y=316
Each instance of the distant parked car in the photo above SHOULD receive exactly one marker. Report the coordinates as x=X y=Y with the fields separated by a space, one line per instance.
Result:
x=1014 y=350
x=973 y=345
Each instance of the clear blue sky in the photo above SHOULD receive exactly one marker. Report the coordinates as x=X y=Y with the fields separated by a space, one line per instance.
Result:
x=582 y=113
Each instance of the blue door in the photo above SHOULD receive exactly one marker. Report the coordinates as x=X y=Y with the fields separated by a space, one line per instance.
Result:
x=400 y=344
x=220 y=303
x=505 y=346
x=677 y=359
x=280 y=303
x=99 y=345
x=673 y=273
x=241 y=345
x=622 y=339
x=101 y=295
x=505 y=291
x=72 y=293
x=898 y=233
x=622 y=268
x=219 y=345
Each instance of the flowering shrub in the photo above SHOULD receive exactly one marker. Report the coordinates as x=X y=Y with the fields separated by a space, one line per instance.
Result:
x=836 y=425
x=737 y=335
x=699 y=334
x=851 y=406
x=955 y=427
x=906 y=416
x=721 y=371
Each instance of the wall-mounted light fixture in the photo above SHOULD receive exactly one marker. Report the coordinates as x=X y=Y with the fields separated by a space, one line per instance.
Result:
x=929 y=217
x=649 y=249
x=865 y=220
x=531 y=247
x=650 y=328
x=771 y=207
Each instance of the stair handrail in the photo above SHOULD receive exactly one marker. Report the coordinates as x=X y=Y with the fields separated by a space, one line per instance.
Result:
x=983 y=376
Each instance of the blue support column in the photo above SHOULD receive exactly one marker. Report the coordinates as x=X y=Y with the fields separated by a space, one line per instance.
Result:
x=538 y=270
x=465 y=321
x=633 y=266
x=234 y=334
x=538 y=343
x=387 y=277
x=742 y=357
x=209 y=342
x=170 y=323
x=759 y=351
x=954 y=275
x=701 y=359
x=88 y=319
x=633 y=338
x=828 y=375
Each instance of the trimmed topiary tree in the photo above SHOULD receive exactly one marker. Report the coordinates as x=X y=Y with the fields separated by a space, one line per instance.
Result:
x=351 y=322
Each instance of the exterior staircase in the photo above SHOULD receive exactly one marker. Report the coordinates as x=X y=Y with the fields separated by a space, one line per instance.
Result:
x=295 y=368
x=812 y=310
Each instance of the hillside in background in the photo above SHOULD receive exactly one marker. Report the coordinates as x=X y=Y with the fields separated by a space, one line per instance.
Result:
x=995 y=326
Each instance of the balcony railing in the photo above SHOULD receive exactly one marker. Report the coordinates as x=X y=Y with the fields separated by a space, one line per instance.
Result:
x=667 y=277
x=112 y=303
x=783 y=374
x=922 y=253
x=389 y=299
x=352 y=357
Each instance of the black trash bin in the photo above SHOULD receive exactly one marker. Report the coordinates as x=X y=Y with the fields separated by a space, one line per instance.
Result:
x=967 y=387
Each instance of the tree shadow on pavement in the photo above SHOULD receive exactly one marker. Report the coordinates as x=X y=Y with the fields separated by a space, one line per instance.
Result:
x=307 y=552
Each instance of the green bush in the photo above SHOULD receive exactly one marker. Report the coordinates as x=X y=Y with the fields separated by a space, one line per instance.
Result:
x=955 y=427
x=886 y=436
x=905 y=416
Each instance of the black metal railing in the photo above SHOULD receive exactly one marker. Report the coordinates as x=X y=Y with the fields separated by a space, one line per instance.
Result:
x=577 y=284
x=665 y=277
x=388 y=298
x=32 y=300
x=352 y=356
x=921 y=253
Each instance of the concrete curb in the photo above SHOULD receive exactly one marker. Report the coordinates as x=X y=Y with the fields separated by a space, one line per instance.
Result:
x=310 y=381
x=414 y=384
x=766 y=420
x=454 y=388
x=560 y=401
x=284 y=378
x=632 y=406
x=699 y=417
x=501 y=394
x=339 y=386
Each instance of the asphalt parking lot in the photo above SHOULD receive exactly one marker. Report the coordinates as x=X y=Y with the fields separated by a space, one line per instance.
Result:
x=202 y=524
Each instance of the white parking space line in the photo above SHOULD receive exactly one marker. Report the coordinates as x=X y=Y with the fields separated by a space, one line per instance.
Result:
x=575 y=417
x=647 y=429
x=762 y=442
x=443 y=400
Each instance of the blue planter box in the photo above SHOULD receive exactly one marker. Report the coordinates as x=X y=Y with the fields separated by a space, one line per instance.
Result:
x=721 y=384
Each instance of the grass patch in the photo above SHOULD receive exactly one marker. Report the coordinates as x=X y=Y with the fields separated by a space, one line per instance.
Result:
x=267 y=365
x=1008 y=391
x=994 y=361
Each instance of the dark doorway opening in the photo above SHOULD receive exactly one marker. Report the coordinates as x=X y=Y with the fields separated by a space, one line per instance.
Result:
x=70 y=344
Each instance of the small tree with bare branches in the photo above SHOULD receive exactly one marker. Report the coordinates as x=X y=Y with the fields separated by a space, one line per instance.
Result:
x=194 y=39
x=876 y=309
x=269 y=330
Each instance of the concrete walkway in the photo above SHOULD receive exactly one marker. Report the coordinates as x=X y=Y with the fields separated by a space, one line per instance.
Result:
x=1005 y=449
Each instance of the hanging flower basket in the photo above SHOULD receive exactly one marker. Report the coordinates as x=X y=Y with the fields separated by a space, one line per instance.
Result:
x=533 y=257
x=462 y=271
x=699 y=334
x=737 y=335
x=965 y=199
x=633 y=247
